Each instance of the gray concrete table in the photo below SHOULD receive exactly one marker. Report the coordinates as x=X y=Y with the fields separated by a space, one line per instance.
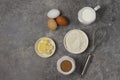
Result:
x=22 y=22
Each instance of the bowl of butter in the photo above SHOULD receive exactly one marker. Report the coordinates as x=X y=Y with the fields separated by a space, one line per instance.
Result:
x=45 y=47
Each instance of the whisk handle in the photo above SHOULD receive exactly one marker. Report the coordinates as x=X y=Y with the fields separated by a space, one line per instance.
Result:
x=86 y=64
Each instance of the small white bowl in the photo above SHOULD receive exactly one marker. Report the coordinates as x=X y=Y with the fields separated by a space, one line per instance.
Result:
x=44 y=55
x=61 y=60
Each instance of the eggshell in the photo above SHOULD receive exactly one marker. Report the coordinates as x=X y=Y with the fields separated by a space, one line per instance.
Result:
x=52 y=25
x=53 y=13
x=62 y=21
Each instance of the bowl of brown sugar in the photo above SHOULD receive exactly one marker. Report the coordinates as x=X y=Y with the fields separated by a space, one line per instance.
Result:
x=66 y=65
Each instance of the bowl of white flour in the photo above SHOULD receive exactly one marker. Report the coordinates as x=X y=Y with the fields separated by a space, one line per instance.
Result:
x=76 y=41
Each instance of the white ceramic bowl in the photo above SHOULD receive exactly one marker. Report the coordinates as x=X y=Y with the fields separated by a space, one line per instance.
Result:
x=61 y=60
x=83 y=38
x=44 y=55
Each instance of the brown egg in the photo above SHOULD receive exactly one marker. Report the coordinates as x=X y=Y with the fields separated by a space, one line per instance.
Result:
x=52 y=25
x=62 y=21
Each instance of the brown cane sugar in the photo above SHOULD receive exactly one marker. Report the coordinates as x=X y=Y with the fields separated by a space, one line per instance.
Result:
x=66 y=66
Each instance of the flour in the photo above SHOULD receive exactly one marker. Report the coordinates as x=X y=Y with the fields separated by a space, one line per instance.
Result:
x=76 y=41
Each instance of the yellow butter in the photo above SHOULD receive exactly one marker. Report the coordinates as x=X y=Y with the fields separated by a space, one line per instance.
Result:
x=45 y=46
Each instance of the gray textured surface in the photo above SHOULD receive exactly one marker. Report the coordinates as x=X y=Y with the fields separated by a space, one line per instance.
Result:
x=22 y=22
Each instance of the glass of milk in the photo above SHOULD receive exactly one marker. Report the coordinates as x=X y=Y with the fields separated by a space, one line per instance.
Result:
x=87 y=15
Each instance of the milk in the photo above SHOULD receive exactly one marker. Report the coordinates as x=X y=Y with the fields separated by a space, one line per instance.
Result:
x=87 y=15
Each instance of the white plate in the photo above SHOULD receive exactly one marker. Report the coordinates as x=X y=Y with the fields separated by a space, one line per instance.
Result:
x=44 y=55
x=81 y=41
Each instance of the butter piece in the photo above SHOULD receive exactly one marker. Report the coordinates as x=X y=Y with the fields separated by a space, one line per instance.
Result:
x=45 y=46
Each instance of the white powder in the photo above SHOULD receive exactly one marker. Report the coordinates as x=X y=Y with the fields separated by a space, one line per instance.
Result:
x=76 y=41
x=88 y=15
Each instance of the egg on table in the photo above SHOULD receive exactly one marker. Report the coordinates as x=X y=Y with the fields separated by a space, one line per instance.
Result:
x=62 y=21
x=52 y=25
x=53 y=13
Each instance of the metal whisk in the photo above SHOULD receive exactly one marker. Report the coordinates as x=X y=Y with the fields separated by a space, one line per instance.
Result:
x=98 y=36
